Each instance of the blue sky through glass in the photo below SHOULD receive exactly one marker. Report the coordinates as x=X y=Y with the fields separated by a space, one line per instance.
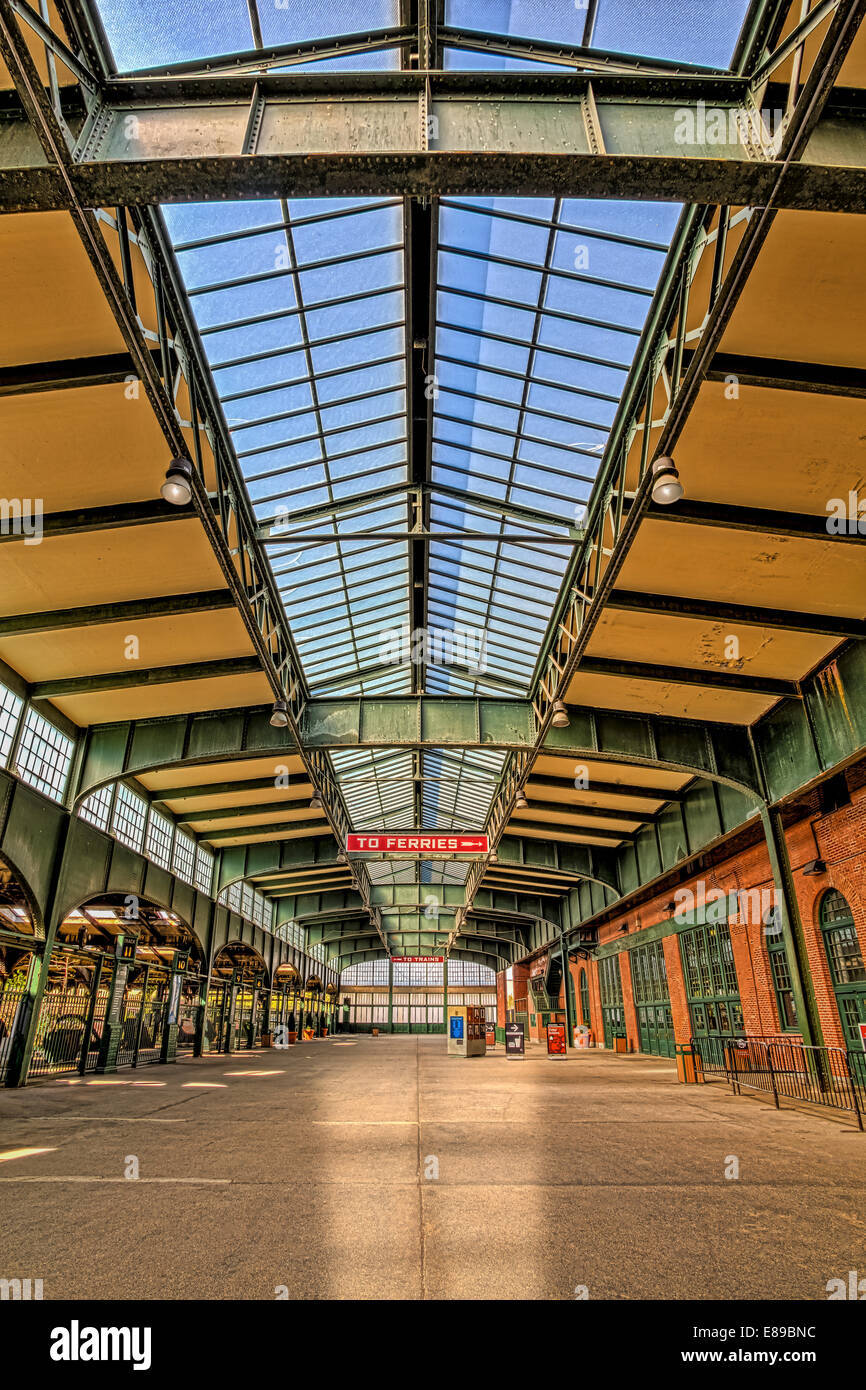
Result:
x=302 y=308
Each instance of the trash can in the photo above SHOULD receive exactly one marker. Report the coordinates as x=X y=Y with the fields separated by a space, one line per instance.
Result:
x=689 y=1068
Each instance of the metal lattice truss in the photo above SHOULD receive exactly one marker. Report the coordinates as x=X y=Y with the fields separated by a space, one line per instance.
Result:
x=422 y=305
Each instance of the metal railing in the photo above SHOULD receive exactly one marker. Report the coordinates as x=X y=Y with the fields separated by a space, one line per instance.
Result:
x=785 y=1067
x=12 y=1004
x=68 y=1031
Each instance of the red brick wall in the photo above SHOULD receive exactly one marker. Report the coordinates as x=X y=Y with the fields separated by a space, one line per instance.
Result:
x=500 y=999
x=841 y=840
x=841 y=843
x=677 y=988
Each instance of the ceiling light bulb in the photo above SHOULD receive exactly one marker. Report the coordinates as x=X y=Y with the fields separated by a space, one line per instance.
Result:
x=493 y=857
x=177 y=487
x=315 y=802
x=667 y=487
x=279 y=715
x=560 y=715
x=521 y=804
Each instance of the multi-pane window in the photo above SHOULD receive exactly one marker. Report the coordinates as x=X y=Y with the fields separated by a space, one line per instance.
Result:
x=183 y=860
x=130 y=814
x=649 y=975
x=233 y=897
x=418 y=972
x=468 y=972
x=97 y=808
x=291 y=932
x=10 y=713
x=160 y=832
x=782 y=985
x=840 y=935
x=246 y=901
x=366 y=972
x=711 y=980
x=610 y=981
x=612 y=1009
x=649 y=980
x=780 y=972
x=203 y=869
x=585 y=1016
x=44 y=756
x=845 y=958
x=269 y=914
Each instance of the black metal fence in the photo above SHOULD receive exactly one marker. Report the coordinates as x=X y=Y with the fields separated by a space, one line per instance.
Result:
x=787 y=1068
x=12 y=1005
x=68 y=1031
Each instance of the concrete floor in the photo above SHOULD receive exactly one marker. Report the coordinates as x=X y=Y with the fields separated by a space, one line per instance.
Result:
x=313 y=1170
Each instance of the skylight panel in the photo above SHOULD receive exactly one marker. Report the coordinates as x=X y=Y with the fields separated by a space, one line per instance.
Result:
x=165 y=32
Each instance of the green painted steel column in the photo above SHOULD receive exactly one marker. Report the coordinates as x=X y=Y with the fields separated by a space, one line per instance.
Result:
x=25 y=1035
x=168 y=1047
x=808 y=1018
x=91 y=1014
x=23 y=1044
x=566 y=982
x=232 y=994
x=390 y=995
x=112 y=1029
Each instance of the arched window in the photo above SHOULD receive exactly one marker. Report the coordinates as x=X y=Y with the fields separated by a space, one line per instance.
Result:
x=845 y=959
x=584 y=999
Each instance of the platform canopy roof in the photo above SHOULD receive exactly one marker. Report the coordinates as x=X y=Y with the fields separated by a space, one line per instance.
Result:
x=422 y=288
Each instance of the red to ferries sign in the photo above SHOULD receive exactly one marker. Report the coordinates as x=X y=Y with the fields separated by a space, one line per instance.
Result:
x=410 y=843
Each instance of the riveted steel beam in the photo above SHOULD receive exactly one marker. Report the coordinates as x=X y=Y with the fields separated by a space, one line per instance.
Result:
x=162 y=140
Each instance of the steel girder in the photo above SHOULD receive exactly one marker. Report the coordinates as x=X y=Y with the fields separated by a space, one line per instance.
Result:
x=621 y=497
x=720 y=752
x=144 y=141
x=228 y=522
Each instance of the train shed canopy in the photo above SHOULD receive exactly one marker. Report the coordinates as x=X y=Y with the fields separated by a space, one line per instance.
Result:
x=420 y=315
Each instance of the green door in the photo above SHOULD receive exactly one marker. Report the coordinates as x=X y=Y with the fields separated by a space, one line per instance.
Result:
x=612 y=1010
x=712 y=990
x=649 y=981
x=847 y=969
x=585 y=1016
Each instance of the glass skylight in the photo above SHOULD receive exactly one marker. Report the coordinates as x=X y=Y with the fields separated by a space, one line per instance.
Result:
x=303 y=308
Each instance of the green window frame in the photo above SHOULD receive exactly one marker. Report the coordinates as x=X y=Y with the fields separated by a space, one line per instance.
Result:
x=585 y=1016
x=710 y=976
x=780 y=971
x=612 y=1008
x=783 y=988
x=649 y=980
x=847 y=968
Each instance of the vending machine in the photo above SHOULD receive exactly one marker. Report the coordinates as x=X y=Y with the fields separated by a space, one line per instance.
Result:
x=467 y=1031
